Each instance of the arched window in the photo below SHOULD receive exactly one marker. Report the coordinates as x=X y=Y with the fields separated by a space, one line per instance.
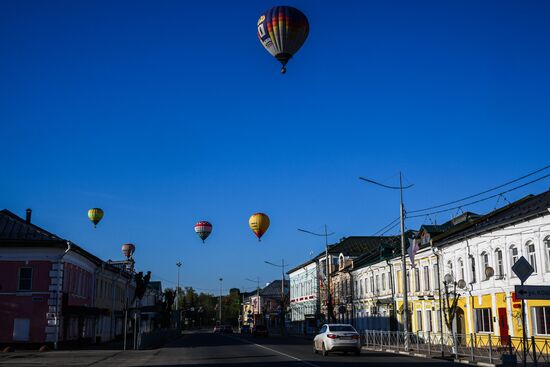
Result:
x=547 y=250
x=531 y=255
x=460 y=269
x=499 y=265
x=484 y=264
x=473 y=268
x=450 y=267
x=514 y=256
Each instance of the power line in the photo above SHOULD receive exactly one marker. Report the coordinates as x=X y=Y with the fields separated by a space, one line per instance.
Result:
x=480 y=200
x=386 y=226
x=481 y=193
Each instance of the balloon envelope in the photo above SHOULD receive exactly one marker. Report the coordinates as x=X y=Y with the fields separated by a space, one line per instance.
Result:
x=282 y=30
x=128 y=250
x=259 y=223
x=203 y=229
x=95 y=215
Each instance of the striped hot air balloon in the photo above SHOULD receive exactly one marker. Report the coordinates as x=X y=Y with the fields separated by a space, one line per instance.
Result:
x=282 y=30
x=95 y=215
x=203 y=229
x=259 y=223
x=128 y=250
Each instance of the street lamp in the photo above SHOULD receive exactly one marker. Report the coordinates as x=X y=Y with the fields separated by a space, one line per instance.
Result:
x=330 y=316
x=452 y=308
x=282 y=266
x=403 y=250
x=221 y=280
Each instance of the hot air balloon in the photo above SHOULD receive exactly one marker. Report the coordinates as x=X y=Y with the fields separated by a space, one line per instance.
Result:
x=259 y=223
x=203 y=229
x=95 y=215
x=128 y=250
x=282 y=31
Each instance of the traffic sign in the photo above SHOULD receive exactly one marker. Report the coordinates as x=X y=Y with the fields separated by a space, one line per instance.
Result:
x=522 y=269
x=532 y=291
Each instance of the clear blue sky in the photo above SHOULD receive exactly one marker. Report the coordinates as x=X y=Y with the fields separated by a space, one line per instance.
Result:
x=164 y=113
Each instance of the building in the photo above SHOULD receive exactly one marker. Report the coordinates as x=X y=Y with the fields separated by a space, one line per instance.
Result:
x=304 y=296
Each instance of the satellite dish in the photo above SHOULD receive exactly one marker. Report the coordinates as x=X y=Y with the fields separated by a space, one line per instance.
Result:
x=448 y=278
x=489 y=272
x=461 y=284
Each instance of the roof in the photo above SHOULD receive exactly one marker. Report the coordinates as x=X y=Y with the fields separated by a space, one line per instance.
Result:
x=527 y=208
x=16 y=232
x=436 y=229
x=310 y=261
x=273 y=289
x=356 y=245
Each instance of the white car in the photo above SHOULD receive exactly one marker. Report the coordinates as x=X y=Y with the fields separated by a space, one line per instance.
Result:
x=337 y=337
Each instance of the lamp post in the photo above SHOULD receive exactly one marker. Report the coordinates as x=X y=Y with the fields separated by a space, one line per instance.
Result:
x=330 y=316
x=403 y=250
x=178 y=264
x=282 y=266
x=221 y=280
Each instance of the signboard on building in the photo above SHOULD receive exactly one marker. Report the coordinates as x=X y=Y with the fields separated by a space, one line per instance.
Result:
x=532 y=292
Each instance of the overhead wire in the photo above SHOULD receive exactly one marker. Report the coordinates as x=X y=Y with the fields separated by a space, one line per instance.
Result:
x=477 y=201
x=481 y=193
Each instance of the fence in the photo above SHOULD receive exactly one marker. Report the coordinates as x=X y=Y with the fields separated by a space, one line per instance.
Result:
x=486 y=348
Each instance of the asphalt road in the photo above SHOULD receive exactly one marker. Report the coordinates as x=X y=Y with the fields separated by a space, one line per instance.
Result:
x=207 y=349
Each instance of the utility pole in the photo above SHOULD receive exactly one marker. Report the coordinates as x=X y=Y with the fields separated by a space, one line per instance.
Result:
x=221 y=280
x=327 y=271
x=403 y=251
x=257 y=281
x=178 y=264
x=282 y=266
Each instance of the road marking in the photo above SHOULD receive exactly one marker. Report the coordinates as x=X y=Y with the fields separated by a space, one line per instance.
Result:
x=276 y=351
x=287 y=355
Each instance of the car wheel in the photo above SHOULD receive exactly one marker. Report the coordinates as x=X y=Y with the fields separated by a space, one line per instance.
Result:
x=325 y=351
x=315 y=349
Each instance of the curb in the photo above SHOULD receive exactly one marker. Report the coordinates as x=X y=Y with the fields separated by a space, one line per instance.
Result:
x=420 y=355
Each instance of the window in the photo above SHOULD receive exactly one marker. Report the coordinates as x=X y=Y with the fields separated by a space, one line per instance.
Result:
x=461 y=274
x=427 y=279
x=484 y=320
x=547 y=249
x=541 y=320
x=484 y=264
x=377 y=283
x=499 y=268
x=531 y=256
x=429 y=320
x=419 y=320
x=436 y=276
x=383 y=281
x=416 y=280
x=25 y=279
x=372 y=284
x=473 y=263
x=514 y=256
x=399 y=281
x=21 y=329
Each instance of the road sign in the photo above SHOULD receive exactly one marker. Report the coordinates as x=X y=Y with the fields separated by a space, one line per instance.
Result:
x=532 y=291
x=522 y=269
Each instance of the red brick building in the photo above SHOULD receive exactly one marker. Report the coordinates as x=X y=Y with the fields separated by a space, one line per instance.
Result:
x=46 y=285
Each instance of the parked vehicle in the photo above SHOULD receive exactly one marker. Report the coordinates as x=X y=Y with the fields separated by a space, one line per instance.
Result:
x=227 y=329
x=260 y=330
x=217 y=329
x=337 y=338
x=245 y=329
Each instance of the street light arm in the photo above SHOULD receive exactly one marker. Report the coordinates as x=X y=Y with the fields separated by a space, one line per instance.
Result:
x=386 y=186
x=270 y=263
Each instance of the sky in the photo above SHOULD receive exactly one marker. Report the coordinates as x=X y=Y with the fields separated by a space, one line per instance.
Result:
x=164 y=113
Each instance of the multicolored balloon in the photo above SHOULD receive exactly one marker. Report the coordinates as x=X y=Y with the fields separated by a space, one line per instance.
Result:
x=282 y=31
x=203 y=229
x=128 y=250
x=95 y=215
x=259 y=223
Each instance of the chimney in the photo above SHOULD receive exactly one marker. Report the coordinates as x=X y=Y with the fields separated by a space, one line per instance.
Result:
x=29 y=215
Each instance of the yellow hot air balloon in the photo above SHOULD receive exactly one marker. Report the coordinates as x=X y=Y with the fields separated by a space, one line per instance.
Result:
x=259 y=223
x=95 y=215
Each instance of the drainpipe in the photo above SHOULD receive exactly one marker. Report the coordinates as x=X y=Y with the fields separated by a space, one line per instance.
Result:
x=58 y=293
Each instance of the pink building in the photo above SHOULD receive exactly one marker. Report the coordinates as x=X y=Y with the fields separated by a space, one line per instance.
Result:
x=46 y=285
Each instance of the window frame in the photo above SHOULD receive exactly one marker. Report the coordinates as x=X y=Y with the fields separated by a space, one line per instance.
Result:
x=532 y=255
x=484 y=257
x=486 y=319
x=29 y=279
x=499 y=263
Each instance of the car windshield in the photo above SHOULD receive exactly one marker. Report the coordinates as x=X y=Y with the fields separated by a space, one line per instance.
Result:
x=341 y=328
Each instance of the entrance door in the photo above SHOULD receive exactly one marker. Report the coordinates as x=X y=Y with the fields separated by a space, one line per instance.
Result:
x=503 y=325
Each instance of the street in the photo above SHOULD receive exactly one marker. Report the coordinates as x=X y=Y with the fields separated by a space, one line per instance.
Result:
x=207 y=349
